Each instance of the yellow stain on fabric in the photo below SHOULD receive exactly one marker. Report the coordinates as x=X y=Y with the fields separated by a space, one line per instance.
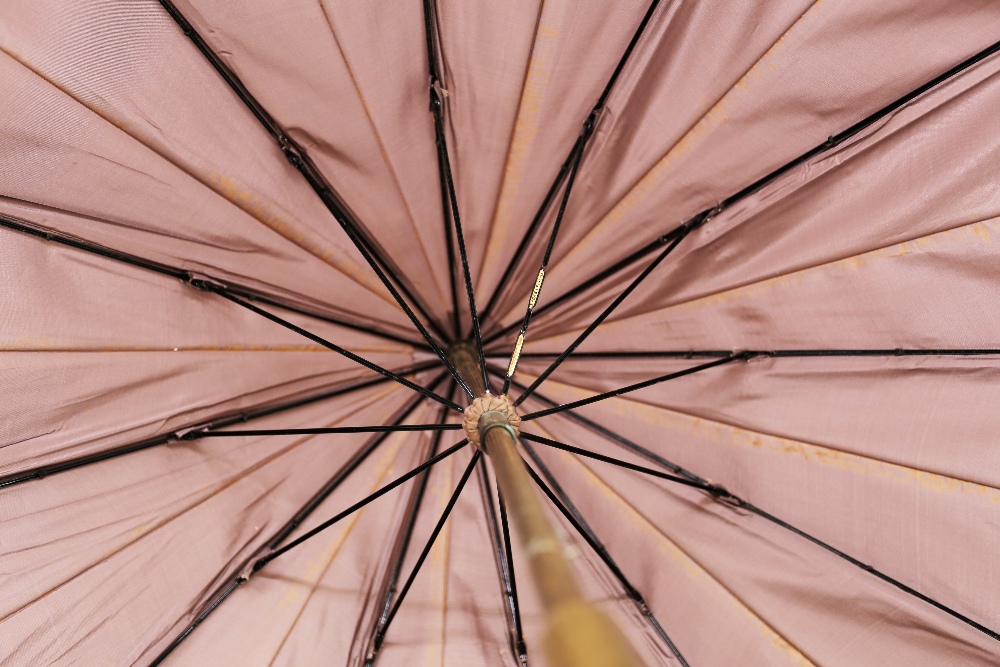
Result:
x=383 y=466
x=666 y=546
x=224 y=186
x=294 y=232
x=206 y=492
x=317 y=567
x=982 y=230
x=810 y=453
x=139 y=531
x=955 y=239
x=383 y=151
x=716 y=115
x=439 y=558
x=152 y=526
x=526 y=127
x=943 y=241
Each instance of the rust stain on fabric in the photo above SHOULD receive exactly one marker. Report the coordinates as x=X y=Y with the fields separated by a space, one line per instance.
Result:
x=526 y=126
x=943 y=241
x=440 y=558
x=711 y=119
x=383 y=151
x=817 y=454
x=224 y=186
x=315 y=568
x=301 y=236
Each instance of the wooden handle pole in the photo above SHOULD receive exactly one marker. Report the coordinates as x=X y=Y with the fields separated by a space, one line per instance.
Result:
x=577 y=633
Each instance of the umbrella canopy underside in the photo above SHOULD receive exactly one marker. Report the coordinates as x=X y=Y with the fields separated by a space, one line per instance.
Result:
x=800 y=200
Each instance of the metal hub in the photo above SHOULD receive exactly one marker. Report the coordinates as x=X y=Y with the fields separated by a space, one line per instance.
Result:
x=489 y=411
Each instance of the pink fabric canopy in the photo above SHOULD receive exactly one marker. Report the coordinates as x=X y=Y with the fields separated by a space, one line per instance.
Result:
x=778 y=219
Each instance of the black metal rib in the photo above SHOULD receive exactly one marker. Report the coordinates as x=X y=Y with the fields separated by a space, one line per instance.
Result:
x=557 y=488
x=221 y=421
x=212 y=287
x=572 y=514
x=529 y=234
x=611 y=435
x=380 y=637
x=400 y=428
x=603 y=316
x=505 y=566
x=402 y=542
x=618 y=462
x=299 y=158
x=264 y=560
x=444 y=167
x=456 y=323
x=778 y=354
x=723 y=495
x=618 y=266
x=240 y=575
x=578 y=149
x=743 y=504
x=509 y=559
x=832 y=142
x=634 y=387
x=432 y=64
x=443 y=152
x=569 y=168
x=231 y=586
x=68 y=240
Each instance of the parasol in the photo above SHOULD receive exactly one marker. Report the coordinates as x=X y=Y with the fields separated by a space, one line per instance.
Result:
x=711 y=288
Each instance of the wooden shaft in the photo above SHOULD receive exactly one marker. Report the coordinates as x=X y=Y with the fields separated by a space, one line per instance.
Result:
x=549 y=567
x=577 y=634
x=463 y=357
